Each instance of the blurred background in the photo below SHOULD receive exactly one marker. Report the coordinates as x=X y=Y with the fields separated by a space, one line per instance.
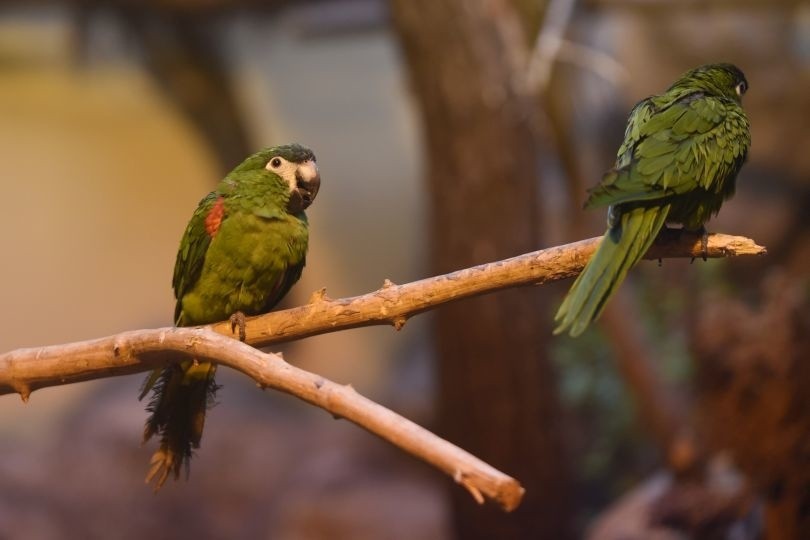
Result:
x=448 y=133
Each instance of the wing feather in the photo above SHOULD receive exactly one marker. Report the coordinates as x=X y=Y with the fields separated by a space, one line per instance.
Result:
x=191 y=255
x=285 y=280
x=672 y=150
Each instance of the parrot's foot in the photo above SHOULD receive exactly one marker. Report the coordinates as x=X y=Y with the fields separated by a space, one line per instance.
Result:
x=704 y=244
x=238 y=319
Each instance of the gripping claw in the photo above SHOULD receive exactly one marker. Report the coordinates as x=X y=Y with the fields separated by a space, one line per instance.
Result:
x=238 y=320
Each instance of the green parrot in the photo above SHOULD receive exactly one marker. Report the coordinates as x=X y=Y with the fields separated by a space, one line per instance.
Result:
x=243 y=249
x=681 y=153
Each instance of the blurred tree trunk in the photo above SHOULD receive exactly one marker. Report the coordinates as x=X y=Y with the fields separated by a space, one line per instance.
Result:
x=497 y=392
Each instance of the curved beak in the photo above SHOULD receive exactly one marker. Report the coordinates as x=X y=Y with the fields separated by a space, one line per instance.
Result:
x=307 y=182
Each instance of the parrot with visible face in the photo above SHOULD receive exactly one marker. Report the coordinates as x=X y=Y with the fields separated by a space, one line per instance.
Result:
x=679 y=160
x=242 y=250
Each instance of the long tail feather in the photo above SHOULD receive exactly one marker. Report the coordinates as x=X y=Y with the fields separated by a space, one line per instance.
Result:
x=621 y=248
x=181 y=394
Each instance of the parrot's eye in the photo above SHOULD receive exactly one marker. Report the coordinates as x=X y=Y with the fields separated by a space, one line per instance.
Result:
x=275 y=162
x=741 y=88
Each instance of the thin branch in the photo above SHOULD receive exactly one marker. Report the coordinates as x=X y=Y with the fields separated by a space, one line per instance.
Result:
x=393 y=304
x=25 y=370
x=548 y=43
x=593 y=60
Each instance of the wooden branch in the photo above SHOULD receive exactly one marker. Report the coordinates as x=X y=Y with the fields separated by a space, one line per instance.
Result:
x=25 y=370
x=393 y=304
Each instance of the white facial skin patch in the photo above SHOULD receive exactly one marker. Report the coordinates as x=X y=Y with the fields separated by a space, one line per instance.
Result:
x=287 y=170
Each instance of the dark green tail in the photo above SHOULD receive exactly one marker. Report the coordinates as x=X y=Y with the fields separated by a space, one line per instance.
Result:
x=622 y=246
x=181 y=393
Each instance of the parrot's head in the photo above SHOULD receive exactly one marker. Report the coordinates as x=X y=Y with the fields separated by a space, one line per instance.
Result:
x=291 y=168
x=721 y=80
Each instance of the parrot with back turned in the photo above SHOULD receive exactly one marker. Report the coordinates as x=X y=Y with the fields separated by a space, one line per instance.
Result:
x=679 y=160
x=242 y=250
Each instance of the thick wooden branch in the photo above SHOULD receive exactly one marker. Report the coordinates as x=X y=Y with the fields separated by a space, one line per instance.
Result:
x=393 y=304
x=25 y=370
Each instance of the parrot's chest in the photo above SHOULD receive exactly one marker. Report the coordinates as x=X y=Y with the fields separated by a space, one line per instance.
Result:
x=245 y=263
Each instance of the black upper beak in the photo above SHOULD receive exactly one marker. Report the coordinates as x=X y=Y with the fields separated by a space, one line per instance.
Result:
x=307 y=189
x=307 y=184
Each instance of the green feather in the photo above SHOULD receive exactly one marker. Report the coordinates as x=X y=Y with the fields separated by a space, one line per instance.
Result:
x=621 y=248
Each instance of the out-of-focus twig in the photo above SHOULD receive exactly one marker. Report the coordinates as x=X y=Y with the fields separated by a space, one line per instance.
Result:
x=551 y=46
x=593 y=60
x=549 y=41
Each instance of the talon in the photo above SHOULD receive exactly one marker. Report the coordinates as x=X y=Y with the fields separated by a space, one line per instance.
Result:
x=704 y=243
x=238 y=320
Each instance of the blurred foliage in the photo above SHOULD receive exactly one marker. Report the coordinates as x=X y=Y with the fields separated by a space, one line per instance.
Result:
x=612 y=453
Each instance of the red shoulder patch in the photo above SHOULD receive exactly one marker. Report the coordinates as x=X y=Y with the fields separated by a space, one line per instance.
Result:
x=214 y=218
